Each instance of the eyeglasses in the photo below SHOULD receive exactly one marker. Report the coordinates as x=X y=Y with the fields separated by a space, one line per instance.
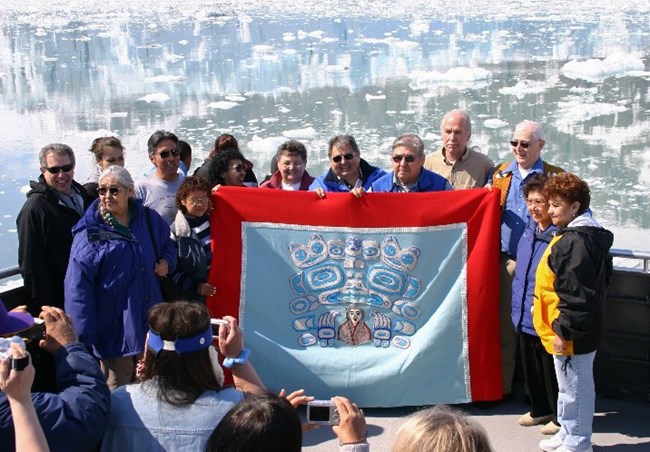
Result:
x=523 y=144
x=197 y=201
x=58 y=169
x=536 y=202
x=409 y=158
x=239 y=167
x=112 y=190
x=338 y=158
x=295 y=165
x=174 y=152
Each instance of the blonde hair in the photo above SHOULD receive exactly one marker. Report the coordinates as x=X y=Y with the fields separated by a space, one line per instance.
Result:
x=441 y=429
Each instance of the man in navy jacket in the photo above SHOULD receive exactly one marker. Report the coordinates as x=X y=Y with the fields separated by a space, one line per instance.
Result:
x=75 y=417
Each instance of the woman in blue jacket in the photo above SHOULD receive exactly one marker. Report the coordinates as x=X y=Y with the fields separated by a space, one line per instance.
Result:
x=113 y=274
x=539 y=372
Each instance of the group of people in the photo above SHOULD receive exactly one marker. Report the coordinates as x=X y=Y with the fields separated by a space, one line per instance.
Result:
x=110 y=252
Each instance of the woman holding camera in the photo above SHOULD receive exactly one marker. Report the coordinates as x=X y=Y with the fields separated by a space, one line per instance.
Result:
x=181 y=379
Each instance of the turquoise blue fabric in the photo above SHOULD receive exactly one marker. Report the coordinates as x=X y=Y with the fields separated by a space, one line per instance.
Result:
x=410 y=347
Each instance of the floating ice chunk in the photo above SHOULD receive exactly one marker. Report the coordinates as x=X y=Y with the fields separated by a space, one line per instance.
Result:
x=457 y=77
x=235 y=98
x=283 y=109
x=336 y=112
x=183 y=42
x=222 y=105
x=25 y=188
x=596 y=70
x=644 y=74
x=494 y=123
x=165 y=79
x=155 y=97
x=269 y=120
x=288 y=37
x=50 y=58
x=613 y=202
x=524 y=87
x=265 y=146
x=173 y=57
x=577 y=111
x=370 y=97
x=307 y=132
x=318 y=34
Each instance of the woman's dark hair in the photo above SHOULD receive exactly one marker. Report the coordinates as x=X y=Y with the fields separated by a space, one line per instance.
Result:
x=221 y=162
x=536 y=182
x=262 y=422
x=570 y=188
x=100 y=143
x=292 y=147
x=179 y=379
x=222 y=142
x=190 y=184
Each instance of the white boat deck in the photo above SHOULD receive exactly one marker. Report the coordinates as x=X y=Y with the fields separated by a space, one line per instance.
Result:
x=619 y=425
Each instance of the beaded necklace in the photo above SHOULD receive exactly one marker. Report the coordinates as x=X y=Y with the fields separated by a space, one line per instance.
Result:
x=113 y=222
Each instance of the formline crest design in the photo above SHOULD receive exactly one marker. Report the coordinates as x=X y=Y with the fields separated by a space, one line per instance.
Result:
x=365 y=287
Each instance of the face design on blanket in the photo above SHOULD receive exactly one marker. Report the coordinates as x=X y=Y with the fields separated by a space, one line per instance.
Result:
x=353 y=292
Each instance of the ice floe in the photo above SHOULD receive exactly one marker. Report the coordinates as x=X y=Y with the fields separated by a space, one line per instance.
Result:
x=595 y=70
x=524 y=87
x=456 y=77
x=222 y=105
x=495 y=123
x=155 y=97
x=576 y=111
x=306 y=132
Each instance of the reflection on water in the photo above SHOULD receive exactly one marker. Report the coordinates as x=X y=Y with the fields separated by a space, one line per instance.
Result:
x=266 y=74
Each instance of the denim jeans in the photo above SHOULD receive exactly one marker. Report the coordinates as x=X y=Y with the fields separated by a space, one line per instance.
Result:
x=576 y=399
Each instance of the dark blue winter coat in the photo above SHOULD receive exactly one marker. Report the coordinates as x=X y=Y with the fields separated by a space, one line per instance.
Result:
x=329 y=182
x=529 y=252
x=110 y=283
x=74 y=418
x=427 y=181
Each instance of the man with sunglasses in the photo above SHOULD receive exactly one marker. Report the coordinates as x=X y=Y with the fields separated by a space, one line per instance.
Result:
x=408 y=175
x=348 y=171
x=158 y=191
x=54 y=205
x=510 y=177
x=462 y=166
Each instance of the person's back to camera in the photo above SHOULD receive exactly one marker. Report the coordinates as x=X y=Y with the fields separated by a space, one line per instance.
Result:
x=441 y=429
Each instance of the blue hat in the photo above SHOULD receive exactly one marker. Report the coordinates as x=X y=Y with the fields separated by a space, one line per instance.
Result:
x=13 y=322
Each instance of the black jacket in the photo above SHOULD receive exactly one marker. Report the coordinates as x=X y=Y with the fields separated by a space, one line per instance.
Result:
x=44 y=240
x=582 y=266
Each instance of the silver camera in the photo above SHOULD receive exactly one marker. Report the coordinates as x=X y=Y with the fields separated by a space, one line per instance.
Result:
x=322 y=412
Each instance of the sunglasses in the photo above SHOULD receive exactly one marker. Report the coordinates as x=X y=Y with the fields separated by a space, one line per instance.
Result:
x=239 y=167
x=409 y=158
x=58 y=169
x=338 y=158
x=523 y=144
x=112 y=190
x=174 y=152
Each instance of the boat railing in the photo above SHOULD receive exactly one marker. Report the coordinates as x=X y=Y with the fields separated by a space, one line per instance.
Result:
x=638 y=259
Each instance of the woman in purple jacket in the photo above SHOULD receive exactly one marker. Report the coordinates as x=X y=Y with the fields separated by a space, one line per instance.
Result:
x=539 y=373
x=113 y=274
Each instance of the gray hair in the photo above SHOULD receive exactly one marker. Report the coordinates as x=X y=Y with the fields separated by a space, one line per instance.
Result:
x=55 y=148
x=538 y=131
x=121 y=174
x=342 y=140
x=410 y=140
x=462 y=113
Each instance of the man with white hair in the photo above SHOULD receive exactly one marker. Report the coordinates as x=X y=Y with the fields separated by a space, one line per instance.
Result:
x=510 y=177
x=462 y=166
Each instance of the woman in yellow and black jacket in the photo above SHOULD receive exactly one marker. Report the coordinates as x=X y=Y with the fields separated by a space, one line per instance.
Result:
x=569 y=307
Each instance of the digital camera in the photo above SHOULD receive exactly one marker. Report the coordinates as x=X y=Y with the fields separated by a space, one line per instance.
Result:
x=322 y=412
x=35 y=333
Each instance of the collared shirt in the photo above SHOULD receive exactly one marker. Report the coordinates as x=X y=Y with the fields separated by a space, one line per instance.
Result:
x=515 y=213
x=472 y=170
x=403 y=188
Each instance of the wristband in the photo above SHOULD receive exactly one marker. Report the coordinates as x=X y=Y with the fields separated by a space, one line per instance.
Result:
x=241 y=359
x=19 y=363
